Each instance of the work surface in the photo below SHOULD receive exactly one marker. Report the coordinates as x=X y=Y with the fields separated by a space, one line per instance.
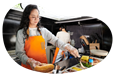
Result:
x=70 y=62
x=109 y=64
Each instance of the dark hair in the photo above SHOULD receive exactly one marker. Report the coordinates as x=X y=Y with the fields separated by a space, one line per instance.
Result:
x=63 y=27
x=24 y=24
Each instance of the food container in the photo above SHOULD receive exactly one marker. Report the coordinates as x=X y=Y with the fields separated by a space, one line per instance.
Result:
x=69 y=70
x=74 y=68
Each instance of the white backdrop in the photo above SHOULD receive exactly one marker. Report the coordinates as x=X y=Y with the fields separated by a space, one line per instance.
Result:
x=68 y=14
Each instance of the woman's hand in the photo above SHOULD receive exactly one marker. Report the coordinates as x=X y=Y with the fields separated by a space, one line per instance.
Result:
x=33 y=63
x=72 y=50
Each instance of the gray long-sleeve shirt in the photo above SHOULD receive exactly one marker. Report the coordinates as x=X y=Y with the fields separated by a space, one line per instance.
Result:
x=46 y=34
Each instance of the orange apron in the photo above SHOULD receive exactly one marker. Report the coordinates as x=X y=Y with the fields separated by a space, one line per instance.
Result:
x=35 y=48
x=55 y=55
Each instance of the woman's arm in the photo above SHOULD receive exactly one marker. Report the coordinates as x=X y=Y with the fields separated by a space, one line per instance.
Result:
x=58 y=43
x=72 y=50
x=53 y=39
x=20 y=47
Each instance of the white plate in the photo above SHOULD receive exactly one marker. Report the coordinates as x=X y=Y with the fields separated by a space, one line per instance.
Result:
x=99 y=52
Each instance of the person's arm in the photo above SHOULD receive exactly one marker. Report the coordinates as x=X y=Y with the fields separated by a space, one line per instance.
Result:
x=33 y=63
x=58 y=43
x=20 y=47
x=72 y=50
x=53 y=39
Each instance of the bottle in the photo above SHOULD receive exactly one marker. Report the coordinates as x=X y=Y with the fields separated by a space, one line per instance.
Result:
x=91 y=61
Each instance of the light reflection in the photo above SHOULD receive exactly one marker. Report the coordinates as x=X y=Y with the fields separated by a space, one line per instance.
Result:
x=13 y=39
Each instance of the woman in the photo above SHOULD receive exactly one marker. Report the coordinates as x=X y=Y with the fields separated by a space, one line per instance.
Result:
x=32 y=39
x=60 y=54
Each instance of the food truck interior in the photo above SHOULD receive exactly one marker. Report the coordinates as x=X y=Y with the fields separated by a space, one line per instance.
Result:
x=93 y=29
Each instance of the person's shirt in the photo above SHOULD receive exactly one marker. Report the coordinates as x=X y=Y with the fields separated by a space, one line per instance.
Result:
x=46 y=34
x=64 y=36
x=32 y=31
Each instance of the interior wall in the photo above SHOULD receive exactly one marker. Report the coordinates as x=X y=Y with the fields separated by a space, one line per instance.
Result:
x=107 y=37
x=87 y=29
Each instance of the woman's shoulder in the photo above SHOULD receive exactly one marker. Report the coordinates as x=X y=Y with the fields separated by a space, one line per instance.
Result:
x=20 y=31
x=43 y=29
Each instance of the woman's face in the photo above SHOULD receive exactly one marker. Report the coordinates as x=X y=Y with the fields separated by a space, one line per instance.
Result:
x=34 y=18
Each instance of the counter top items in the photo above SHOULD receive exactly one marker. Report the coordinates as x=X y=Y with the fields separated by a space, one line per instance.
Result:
x=85 y=44
x=94 y=46
x=85 y=58
x=76 y=68
x=74 y=65
x=85 y=61
x=58 y=69
x=89 y=60
x=85 y=39
x=68 y=63
x=99 y=52
x=71 y=69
